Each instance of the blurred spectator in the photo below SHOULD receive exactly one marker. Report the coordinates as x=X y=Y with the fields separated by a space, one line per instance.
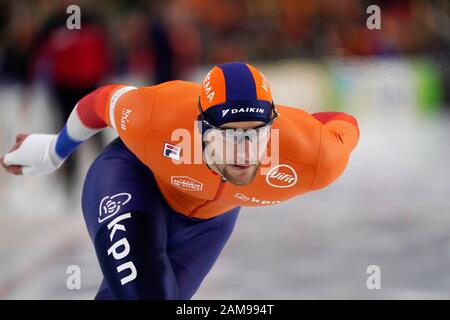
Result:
x=145 y=49
x=135 y=54
x=74 y=62
x=17 y=36
x=159 y=41
x=166 y=39
x=183 y=38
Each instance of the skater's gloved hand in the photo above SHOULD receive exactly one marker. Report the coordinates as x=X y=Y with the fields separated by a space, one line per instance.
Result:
x=32 y=154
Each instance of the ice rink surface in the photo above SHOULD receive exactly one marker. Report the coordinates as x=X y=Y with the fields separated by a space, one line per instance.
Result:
x=390 y=208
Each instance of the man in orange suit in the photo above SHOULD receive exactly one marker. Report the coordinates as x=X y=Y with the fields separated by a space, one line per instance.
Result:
x=160 y=207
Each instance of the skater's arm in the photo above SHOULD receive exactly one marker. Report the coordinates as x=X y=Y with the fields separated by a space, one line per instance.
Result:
x=91 y=115
x=39 y=154
x=339 y=137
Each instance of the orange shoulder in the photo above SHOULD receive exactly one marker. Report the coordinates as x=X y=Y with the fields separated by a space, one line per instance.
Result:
x=143 y=112
x=132 y=115
x=323 y=147
x=299 y=135
x=338 y=139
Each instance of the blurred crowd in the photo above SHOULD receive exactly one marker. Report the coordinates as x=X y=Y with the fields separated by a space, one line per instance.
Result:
x=161 y=40
x=156 y=41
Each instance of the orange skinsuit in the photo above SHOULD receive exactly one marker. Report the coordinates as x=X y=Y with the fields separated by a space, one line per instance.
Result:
x=313 y=149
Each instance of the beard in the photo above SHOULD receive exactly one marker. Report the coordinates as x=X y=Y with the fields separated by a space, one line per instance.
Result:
x=239 y=177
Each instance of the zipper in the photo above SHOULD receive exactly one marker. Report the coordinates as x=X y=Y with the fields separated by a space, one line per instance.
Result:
x=216 y=197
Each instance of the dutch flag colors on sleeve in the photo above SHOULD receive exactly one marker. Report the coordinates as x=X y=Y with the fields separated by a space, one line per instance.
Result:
x=92 y=113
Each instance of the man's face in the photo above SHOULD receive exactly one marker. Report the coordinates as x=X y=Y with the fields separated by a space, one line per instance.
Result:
x=242 y=170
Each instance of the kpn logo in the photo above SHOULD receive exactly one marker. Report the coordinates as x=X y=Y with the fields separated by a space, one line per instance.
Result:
x=255 y=200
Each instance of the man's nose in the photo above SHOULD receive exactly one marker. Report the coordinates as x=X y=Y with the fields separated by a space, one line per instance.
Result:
x=245 y=152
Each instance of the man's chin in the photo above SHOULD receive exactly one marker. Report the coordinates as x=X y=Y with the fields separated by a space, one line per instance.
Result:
x=240 y=175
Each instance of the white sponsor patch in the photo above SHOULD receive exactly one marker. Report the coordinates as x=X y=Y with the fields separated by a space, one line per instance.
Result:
x=110 y=205
x=282 y=176
x=243 y=110
x=124 y=118
x=171 y=151
x=209 y=92
x=112 y=105
x=120 y=249
x=243 y=197
x=186 y=183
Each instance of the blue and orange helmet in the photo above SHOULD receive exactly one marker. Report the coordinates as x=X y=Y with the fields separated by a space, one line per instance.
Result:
x=235 y=91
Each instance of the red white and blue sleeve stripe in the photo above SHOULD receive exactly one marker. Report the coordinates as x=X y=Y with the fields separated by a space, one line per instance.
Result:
x=92 y=114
